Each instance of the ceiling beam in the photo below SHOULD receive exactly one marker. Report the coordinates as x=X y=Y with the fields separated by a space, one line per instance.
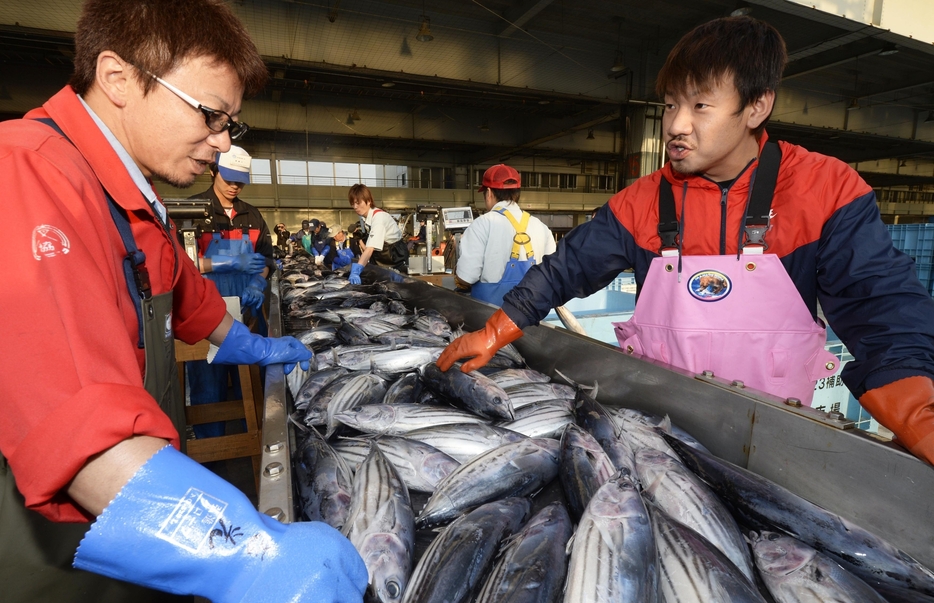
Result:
x=519 y=15
x=866 y=47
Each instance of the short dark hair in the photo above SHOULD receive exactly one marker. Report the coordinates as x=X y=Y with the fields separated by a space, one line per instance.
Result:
x=506 y=194
x=752 y=51
x=157 y=35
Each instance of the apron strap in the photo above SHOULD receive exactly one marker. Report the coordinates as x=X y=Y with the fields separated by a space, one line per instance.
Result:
x=134 y=264
x=756 y=223
x=521 y=238
x=669 y=229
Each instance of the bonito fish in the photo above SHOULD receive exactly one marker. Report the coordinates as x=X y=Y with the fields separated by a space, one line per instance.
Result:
x=381 y=526
x=795 y=572
x=613 y=550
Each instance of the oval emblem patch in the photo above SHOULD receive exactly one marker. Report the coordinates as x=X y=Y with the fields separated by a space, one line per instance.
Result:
x=709 y=285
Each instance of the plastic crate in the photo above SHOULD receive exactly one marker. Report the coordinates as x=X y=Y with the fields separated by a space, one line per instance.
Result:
x=926 y=275
x=916 y=240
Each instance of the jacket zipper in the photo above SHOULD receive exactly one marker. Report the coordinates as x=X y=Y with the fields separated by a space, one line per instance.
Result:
x=724 y=192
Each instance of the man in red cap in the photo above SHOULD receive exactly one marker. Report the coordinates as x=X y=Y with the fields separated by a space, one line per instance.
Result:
x=500 y=246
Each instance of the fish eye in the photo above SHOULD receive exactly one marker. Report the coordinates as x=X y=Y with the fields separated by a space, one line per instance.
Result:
x=773 y=536
x=393 y=589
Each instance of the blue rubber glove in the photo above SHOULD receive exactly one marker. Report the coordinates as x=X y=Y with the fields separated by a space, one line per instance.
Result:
x=355 y=271
x=344 y=257
x=254 y=292
x=178 y=527
x=242 y=347
x=250 y=263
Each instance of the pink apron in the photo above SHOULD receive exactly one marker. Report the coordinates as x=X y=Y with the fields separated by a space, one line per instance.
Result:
x=740 y=317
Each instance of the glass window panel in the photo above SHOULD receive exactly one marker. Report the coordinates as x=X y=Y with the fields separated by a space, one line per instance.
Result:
x=292 y=172
x=260 y=171
x=346 y=174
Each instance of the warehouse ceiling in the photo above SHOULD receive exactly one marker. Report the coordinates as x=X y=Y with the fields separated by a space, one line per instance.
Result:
x=549 y=79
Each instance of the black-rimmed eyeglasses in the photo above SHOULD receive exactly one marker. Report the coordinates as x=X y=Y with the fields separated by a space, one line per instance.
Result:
x=216 y=120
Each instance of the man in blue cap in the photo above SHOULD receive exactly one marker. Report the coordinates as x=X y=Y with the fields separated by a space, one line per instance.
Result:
x=237 y=256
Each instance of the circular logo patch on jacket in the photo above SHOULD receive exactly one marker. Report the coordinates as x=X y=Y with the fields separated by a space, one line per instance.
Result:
x=709 y=285
x=48 y=242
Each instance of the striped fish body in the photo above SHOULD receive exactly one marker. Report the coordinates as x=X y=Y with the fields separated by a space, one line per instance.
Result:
x=594 y=418
x=404 y=390
x=411 y=337
x=541 y=420
x=325 y=481
x=420 y=466
x=583 y=469
x=651 y=420
x=755 y=500
x=399 y=419
x=374 y=327
x=473 y=392
x=795 y=572
x=464 y=441
x=434 y=324
x=691 y=570
x=358 y=391
x=639 y=435
x=352 y=335
x=530 y=393
x=532 y=564
x=401 y=361
x=516 y=469
x=316 y=412
x=684 y=497
x=460 y=556
x=613 y=549
x=314 y=384
x=381 y=527
x=506 y=378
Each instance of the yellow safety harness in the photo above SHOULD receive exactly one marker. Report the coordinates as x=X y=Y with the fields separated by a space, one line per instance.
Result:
x=521 y=238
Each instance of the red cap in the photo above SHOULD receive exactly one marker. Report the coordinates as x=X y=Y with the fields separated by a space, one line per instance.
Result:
x=500 y=176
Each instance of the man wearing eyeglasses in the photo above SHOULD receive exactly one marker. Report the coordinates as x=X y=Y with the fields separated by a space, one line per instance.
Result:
x=96 y=289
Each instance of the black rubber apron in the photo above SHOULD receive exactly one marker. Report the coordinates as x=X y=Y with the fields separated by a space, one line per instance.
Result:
x=36 y=554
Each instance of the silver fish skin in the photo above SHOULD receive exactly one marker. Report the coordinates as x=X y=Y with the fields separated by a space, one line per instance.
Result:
x=314 y=384
x=638 y=435
x=399 y=419
x=584 y=468
x=506 y=378
x=360 y=390
x=532 y=564
x=460 y=556
x=381 y=526
x=691 y=570
x=325 y=481
x=473 y=392
x=298 y=376
x=359 y=358
x=375 y=326
x=613 y=549
x=436 y=325
x=316 y=412
x=541 y=420
x=420 y=465
x=403 y=390
x=684 y=497
x=401 y=361
x=596 y=420
x=317 y=335
x=411 y=337
x=516 y=469
x=794 y=572
x=541 y=391
x=512 y=355
x=664 y=423
x=755 y=500
x=465 y=441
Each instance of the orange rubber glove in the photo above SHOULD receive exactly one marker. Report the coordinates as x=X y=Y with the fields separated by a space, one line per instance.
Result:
x=906 y=407
x=480 y=345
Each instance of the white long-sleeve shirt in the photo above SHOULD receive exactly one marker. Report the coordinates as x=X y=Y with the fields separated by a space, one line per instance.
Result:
x=487 y=244
x=383 y=229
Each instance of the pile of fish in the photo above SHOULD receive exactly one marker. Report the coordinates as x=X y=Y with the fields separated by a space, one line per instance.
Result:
x=500 y=485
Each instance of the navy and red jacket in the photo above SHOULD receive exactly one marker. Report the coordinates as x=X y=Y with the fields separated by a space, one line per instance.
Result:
x=246 y=220
x=825 y=228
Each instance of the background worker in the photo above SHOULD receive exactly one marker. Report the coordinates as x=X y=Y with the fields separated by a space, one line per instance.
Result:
x=304 y=237
x=499 y=247
x=282 y=237
x=381 y=235
x=237 y=256
x=97 y=288
x=343 y=253
x=732 y=290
